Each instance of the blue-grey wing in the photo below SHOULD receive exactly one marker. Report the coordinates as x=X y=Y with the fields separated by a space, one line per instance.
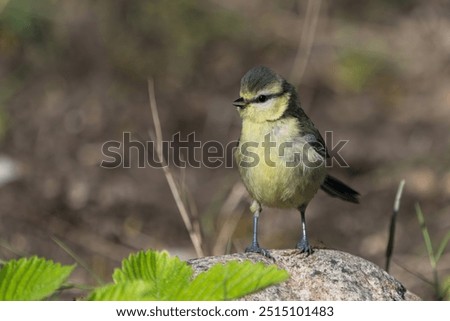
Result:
x=317 y=142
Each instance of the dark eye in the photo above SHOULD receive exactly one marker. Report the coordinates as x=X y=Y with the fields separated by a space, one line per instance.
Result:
x=262 y=98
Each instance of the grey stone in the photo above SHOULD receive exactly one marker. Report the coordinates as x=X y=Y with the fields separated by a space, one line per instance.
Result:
x=326 y=275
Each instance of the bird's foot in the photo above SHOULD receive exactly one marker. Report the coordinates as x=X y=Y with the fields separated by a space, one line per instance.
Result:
x=304 y=247
x=255 y=248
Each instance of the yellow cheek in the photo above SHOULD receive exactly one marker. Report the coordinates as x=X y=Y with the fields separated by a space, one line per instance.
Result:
x=259 y=114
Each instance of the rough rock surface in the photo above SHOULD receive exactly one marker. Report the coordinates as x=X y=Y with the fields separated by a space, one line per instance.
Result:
x=324 y=275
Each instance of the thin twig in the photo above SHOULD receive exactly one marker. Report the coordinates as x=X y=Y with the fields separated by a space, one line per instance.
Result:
x=195 y=236
x=390 y=245
x=8 y=247
x=416 y=274
x=430 y=251
x=78 y=259
x=227 y=229
x=194 y=215
x=306 y=41
x=190 y=201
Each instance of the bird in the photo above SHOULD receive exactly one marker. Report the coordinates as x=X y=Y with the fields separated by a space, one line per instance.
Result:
x=280 y=154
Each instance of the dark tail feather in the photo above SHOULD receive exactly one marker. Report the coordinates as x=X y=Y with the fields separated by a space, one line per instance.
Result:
x=336 y=188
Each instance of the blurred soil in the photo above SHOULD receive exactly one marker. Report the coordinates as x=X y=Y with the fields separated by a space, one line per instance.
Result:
x=73 y=75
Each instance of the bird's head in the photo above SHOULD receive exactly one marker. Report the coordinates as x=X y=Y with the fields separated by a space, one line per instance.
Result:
x=264 y=95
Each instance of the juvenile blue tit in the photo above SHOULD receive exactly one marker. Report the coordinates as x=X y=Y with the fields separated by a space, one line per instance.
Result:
x=281 y=155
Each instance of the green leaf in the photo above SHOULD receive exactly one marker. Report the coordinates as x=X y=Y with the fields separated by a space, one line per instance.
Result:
x=446 y=289
x=442 y=246
x=31 y=278
x=157 y=276
x=426 y=236
x=232 y=280
x=166 y=275
x=125 y=291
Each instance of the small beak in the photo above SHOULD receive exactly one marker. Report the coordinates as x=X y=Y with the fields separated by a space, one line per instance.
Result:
x=239 y=102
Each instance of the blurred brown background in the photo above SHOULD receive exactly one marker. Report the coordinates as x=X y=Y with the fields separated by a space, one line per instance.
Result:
x=73 y=75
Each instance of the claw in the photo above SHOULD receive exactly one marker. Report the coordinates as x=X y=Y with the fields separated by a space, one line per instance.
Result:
x=304 y=247
x=254 y=248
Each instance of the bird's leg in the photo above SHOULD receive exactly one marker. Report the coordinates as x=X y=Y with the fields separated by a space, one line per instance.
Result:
x=303 y=244
x=254 y=247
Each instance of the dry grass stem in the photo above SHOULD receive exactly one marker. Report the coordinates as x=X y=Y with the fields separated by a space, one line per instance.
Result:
x=390 y=245
x=229 y=206
x=306 y=41
x=193 y=234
